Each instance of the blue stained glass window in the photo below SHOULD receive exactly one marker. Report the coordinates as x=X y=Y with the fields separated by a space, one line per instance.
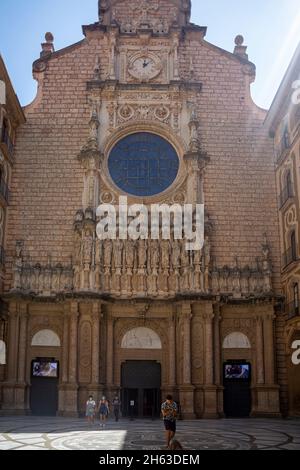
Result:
x=143 y=164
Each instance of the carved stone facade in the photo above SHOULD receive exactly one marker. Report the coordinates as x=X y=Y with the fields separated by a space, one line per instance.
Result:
x=283 y=122
x=156 y=74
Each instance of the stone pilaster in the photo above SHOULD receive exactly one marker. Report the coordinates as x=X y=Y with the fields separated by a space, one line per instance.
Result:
x=209 y=390
x=172 y=352
x=70 y=406
x=110 y=355
x=218 y=369
x=260 y=363
x=21 y=394
x=8 y=389
x=96 y=389
x=186 y=390
x=266 y=392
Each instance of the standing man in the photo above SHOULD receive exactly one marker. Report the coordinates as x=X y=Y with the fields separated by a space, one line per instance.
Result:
x=169 y=412
x=116 y=404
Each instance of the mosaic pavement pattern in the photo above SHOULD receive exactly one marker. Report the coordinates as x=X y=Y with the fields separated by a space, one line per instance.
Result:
x=31 y=433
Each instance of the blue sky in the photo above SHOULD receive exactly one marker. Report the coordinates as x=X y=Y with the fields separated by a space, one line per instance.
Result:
x=271 y=29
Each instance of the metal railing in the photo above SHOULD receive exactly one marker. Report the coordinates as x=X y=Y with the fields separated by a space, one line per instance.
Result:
x=5 y=138
x=4 y=190
x=286 y=194
x=290 y=256
x=2 y=256
x=293 y=310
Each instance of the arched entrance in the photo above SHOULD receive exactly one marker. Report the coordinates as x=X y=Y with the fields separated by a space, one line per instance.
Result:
x=44 y=374
x=237 y=376
x=141 y=383
x=141 y=373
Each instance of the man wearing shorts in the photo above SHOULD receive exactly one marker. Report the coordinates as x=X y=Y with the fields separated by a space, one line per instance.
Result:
x=169 y=412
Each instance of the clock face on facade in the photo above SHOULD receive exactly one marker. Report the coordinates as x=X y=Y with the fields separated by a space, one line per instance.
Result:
x=143 y=164
x=144 y=67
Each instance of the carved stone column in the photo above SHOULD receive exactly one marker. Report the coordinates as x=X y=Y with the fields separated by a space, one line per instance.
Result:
x=175 y=56
x=260 y=369
x=268 y=327
x=210 y=409
x=218 y=358
x=265 y=391
x=186 y=390
x=90 y=159
x=9 y=387
x=65 y=348
x=196 y=161
x=22 y=402
x=172 y=352
x=110 y=354
x=71 y=390
x=12 y=343
x=96 y=389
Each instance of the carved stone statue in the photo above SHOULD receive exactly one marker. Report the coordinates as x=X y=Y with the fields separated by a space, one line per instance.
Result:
x=107 y=253
x=175 y=254
x=18 y=266
x=154 y=254
x=207 y=256
x=165 y=253
x=266 y=255
x=118 y=251
x=142 y=253
x=87 y=247
x=129 y=253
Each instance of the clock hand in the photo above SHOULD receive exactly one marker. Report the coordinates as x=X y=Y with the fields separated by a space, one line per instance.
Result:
x=145 y=64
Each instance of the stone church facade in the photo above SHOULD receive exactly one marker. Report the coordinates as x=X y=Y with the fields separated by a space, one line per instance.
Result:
x=143 y=70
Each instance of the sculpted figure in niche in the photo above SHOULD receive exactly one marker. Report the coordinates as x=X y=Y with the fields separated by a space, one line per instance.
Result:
x=266 y=255
x=107 y=253
x=154 y=254
x=165 y=253
x=98 y=251
x=175 y=254
x=18 y=266
x=129 y=253
x=118 y=249
x=142 y=253
x=87 y=247
x=185 y=256
x=207 y=252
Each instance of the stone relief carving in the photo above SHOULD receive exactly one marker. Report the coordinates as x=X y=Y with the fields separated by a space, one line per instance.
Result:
x=143 y=268
x=46 y=338
x=144 y=15
x=85 y=352
x=236 y=340
x=141 y=338
x=165 y=113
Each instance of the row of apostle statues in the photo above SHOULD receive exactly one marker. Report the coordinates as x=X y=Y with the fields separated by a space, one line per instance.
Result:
x=131 y=265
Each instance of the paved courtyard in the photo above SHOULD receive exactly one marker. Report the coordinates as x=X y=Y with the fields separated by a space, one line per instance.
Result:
x=31 y=433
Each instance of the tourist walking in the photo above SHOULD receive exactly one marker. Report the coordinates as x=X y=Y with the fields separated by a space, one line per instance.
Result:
x=90 y=410
x=169 y=411
x=116 y=405
x=103 y=410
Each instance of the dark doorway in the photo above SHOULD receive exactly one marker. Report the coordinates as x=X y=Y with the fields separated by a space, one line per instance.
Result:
x=237 y=389
x=44 y=388
x=141 y=382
